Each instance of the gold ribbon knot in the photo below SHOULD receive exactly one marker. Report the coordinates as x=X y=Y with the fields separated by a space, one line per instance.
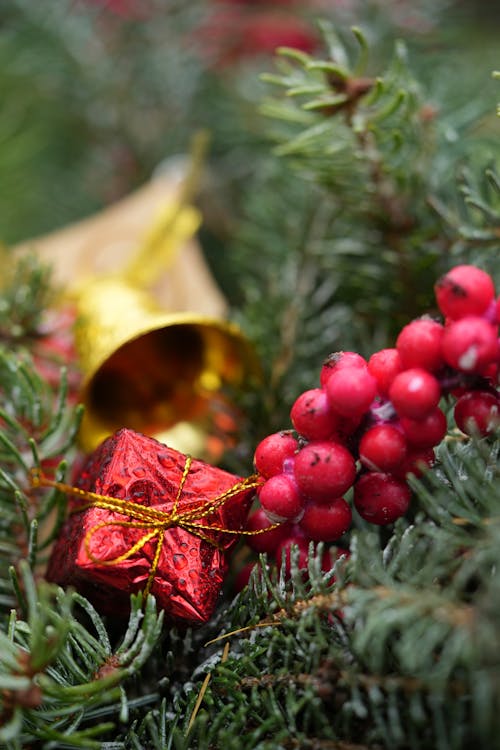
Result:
x=154 y=521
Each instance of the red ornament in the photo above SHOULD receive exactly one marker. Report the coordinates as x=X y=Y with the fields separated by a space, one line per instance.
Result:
x=156 y=522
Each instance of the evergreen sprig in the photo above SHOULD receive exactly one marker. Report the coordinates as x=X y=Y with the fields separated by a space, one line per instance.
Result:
x=377 y=144
x=60 y=675
x=37 y=427
x=472 y=221
x=396 y=650
x=347 y=226
x=345 y=216
x=26 y=293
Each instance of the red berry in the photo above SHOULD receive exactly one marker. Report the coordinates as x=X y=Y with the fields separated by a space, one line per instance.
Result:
x=426 y=432
x=384 y=366
x=313 y=418
x=380 y=498
x=382 y=447
x=284 y=551
x=414 y=393
x=243 y=576
x=262 y=33
x=478 y=413
x=351 y=390
x=419 y=344
x=417 y=461
x=324 y=470
x=326 y=522
x=311 y=415
x=345 y=427
x=337 y=361
x=267 y=541
x=491 y=372
x=470 y=344
x=464 y=290
x=281 y=499
x=272 y=451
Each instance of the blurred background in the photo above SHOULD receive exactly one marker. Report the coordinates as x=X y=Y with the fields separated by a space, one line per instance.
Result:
x=324 y=229
x=95 y=94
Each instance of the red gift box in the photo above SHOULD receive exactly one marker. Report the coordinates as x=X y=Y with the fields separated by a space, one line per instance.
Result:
x=158 y=522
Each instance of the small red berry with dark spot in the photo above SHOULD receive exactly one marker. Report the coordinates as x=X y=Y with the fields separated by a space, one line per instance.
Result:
x=384 y=366
x=324 y=470
x=337 y=361
x=464 y=290
x=381 y=498
x=351 y=390
x=478 y=413
x=312 y=416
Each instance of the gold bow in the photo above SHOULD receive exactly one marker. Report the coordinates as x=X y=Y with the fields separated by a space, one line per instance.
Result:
x=154 y=521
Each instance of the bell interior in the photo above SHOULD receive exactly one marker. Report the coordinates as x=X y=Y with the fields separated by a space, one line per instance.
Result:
x=154 y=380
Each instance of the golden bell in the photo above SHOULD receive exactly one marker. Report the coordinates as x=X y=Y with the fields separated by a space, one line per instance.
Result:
x=159 y=373
x=156 y=352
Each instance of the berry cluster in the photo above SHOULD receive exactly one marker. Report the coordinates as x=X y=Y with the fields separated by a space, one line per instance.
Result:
x=371 y=423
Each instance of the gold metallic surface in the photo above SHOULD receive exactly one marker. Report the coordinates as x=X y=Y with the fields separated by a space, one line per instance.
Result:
x=156 y=352
x=155 y=372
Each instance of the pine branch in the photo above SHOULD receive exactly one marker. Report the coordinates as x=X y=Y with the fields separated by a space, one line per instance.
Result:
x=57 y=676
x=26 y=295
x=378 y=152
x=37 y=428
x=398 y=650
x=395 y=648
x=472 y=221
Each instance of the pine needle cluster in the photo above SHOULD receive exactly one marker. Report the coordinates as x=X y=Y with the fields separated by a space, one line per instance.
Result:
x=362 y=191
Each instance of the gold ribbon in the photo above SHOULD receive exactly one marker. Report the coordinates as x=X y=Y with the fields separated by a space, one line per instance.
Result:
x=153 y=520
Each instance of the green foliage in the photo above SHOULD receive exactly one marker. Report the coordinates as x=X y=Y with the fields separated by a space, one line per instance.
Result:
x=398 y=651
x=60 y=675
x=91 y=103
x=345 y=227
x=26 y=294
x=37 y=426
x=355 y=215
x=472 y=222
x=355 y=134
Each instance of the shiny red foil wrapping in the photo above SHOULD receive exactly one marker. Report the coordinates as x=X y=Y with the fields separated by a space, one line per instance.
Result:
x=190 y=571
